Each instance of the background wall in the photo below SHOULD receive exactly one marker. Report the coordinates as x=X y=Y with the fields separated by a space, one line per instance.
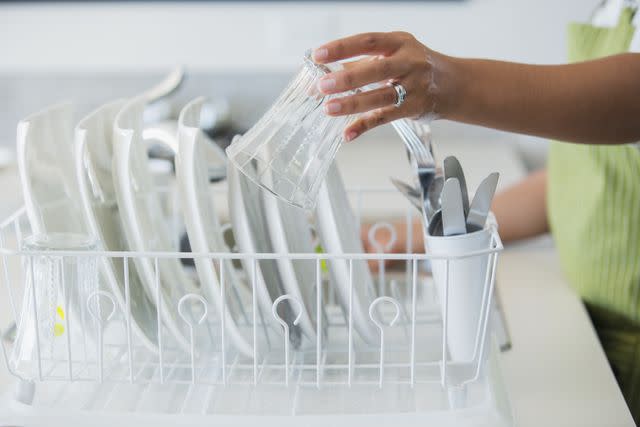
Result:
x=245 y=52
x=244 y=35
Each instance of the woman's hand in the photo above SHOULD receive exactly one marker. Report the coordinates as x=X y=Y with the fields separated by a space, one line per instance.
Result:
x=393 y=57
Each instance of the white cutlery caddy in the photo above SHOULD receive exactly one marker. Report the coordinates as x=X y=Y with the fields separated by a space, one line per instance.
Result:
x=99 y=373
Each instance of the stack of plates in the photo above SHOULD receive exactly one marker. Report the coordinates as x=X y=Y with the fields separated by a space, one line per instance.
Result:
x=100 y=174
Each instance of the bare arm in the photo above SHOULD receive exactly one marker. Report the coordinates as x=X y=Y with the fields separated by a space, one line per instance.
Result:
x=521 y=210
x=521 y=213
x=591 y=102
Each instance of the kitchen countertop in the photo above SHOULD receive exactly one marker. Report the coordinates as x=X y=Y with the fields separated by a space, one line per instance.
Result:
x=556 y=372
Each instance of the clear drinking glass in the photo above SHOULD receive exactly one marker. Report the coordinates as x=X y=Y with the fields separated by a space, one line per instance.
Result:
x=289 y=150
x=62 y=288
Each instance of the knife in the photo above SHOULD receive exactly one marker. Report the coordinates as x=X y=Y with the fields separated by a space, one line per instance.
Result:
x=453 y=220
x=453 y=169
x=481 y=203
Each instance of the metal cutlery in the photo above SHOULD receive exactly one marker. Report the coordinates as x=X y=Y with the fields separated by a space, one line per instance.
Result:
x=423 y=160
x=481 y=203
x=406 y=188
x=453 y=218
x=453 y=169
x=413 y=195
x=455 y=215
x=435 y=226
x=435 y=193
x=478 y=210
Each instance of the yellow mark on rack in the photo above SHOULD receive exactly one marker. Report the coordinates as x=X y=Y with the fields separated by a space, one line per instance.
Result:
x=323 y=263
x=58 y=328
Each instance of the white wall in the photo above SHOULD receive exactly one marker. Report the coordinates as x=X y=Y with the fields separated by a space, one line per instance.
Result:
x=257 y=36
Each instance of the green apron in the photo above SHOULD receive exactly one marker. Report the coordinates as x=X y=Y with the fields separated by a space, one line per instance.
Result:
x=594 y=213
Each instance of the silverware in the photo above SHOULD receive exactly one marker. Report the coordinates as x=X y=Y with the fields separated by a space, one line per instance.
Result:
x=453 y=219
x=422 y=159
x=435 y=226
x=406 y=188
x=481 y=203
x=435 y=192
x=413 y=195
x=453 y=169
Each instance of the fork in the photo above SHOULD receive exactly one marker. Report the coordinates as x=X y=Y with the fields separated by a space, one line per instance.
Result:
x=423 y=162
x=435 y=188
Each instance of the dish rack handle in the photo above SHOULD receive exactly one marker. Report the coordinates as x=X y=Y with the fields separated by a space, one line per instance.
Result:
x=374 y=314
x=93 y=307
x=190 y=322
x=274 y=311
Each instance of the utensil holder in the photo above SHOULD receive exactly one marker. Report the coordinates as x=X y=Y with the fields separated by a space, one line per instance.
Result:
x=463 y=283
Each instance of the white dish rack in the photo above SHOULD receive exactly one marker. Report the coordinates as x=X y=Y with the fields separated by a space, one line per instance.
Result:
x=95 y=373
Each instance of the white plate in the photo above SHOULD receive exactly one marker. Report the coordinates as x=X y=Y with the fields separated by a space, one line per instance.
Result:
x=290 y=232
x=45 y=161
x=250 y=233
x=93 y=158
x=201 y=220
x=52 y=203
x=144 y=225
x=338 y=231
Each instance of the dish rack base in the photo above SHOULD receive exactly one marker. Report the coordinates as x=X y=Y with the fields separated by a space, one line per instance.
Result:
x=407 y=377
x=109 y=404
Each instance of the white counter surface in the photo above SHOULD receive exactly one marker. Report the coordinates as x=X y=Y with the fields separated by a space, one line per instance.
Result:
x=556 y=371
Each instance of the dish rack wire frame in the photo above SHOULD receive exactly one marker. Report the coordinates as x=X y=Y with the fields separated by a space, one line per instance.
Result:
x=13 y=225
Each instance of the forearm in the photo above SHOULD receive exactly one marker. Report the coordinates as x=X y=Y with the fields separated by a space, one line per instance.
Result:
x=521 y=210
x=590 y=102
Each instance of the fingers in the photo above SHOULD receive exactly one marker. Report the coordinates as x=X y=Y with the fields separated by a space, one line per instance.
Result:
x=374 y=119
x=360 y=44
x=361 y=102
x=350 y=65
x=389 y=57
x=361 y=74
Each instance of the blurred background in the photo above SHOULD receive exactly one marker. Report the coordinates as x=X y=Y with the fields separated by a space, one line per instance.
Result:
x=241 y=54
